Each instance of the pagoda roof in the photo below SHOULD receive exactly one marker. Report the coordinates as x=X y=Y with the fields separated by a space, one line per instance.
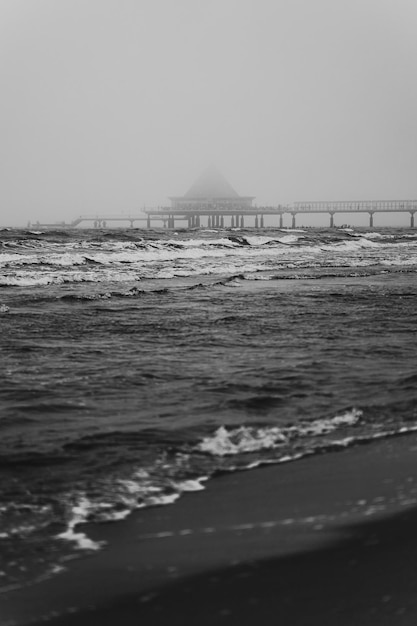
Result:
x=211 y=184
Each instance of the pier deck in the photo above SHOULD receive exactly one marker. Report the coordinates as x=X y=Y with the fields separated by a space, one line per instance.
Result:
x=212 y=216
x=216 y=216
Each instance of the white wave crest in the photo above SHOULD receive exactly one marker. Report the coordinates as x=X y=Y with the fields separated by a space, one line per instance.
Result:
x=243 y=439
x=9 y=258
x=350 y=245
x=226 y=442
x=261 y=241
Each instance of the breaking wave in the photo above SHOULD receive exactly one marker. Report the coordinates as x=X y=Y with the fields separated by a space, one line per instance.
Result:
x=251 y=439
x=37 y=263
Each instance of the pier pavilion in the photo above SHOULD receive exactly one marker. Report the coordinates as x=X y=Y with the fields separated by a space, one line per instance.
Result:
x=211 y=196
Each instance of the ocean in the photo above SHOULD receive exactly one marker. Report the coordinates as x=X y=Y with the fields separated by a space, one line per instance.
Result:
x=138 y=364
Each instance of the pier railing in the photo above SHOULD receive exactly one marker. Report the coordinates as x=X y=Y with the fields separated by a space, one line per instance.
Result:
x=351 y=206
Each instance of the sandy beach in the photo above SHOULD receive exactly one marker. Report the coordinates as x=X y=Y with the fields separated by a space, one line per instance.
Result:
x=326 y=540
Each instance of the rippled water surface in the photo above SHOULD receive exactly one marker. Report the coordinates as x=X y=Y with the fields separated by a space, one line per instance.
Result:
x=137 y=363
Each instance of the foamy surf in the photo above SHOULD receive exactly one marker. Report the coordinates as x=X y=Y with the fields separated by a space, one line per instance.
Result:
x=37 y=263
x=250 y=439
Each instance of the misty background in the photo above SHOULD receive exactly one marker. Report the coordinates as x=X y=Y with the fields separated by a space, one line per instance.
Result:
x=110 y=105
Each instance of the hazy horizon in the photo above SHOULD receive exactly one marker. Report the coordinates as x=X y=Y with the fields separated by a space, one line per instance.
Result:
x=107 y=106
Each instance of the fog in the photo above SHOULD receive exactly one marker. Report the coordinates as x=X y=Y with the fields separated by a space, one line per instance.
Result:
x=110 y=105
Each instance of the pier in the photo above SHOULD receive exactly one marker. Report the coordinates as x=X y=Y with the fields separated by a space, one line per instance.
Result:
x=212 y=216
x=218 y=217
x=212 y=202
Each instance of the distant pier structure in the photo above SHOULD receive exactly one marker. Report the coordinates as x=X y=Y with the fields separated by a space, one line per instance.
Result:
x=212 y=197
x=211 y=201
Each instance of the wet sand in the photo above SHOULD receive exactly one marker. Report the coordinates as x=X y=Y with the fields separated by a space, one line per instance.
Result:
x=330 y=539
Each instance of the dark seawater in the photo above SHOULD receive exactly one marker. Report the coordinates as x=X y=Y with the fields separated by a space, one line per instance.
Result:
x=137 y=363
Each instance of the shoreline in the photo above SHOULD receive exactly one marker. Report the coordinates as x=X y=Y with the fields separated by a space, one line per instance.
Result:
x=340 y=526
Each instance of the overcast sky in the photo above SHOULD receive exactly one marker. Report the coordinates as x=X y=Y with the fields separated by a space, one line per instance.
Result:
x=107 y=105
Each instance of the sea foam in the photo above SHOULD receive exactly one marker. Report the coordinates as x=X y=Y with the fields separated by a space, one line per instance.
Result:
x=250 y=438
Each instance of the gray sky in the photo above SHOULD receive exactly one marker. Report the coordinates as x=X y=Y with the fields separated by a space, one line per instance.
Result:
x=107 y=105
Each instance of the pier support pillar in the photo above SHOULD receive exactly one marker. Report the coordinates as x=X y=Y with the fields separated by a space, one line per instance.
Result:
x=148 y=222
x=411 y=219
x=256 y=221
x=262 y=221
x=198 y=221
x=371 y=220
x=331 y=220
x=281 y=221
x=293 y=220
x=222 y=221
x=209 y=222
x=242 y=222
x=131 y=223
